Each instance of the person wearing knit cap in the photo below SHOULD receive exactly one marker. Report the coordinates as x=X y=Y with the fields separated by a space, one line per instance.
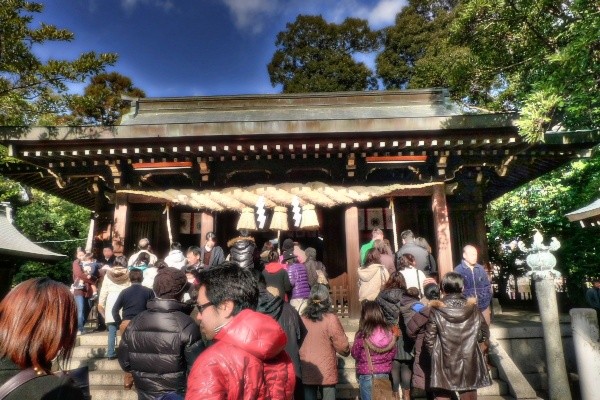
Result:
x=161 y=344
x=288 y=244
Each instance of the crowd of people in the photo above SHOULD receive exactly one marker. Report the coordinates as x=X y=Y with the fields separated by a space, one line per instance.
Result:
x=200 y=325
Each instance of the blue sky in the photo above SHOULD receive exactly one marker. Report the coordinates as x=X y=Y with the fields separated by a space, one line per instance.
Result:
x=194 y=47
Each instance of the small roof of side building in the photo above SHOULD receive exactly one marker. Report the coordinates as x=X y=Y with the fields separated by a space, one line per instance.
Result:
x=589 y=214
x=14 y=244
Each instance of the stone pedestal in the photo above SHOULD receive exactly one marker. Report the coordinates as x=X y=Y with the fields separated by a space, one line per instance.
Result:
x=558 y=382
x=584 y=323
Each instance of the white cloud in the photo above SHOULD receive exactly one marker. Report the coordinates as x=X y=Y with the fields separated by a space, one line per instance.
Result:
x=384 y=13
x=379 y=15
x=249 y=15
x=130 y=5
x=252 y=15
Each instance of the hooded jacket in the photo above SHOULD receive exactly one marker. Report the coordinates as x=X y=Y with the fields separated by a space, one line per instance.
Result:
x=276 y=276
x=452 y=334
x=159 y=347
x=176 y=259
x=241 y=250
x=288 y=318
x=382 y=348
x=371 y=278
x=116 y=280
x=247 y=361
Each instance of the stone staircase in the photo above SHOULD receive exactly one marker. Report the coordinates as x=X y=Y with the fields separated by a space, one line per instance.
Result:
x=106 y=376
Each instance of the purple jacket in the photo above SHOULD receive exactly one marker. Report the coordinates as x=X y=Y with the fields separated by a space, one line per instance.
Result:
x=382 y=346
x=299 y=280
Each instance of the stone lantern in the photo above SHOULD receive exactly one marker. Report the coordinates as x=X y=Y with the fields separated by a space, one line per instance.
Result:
x=542 y=262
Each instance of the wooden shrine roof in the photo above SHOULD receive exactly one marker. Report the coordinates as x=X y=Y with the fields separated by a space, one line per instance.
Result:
x=204 y=142
x=14 y=244
x=589 y=214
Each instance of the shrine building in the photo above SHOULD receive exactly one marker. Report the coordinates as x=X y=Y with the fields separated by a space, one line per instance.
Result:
x=330 y=166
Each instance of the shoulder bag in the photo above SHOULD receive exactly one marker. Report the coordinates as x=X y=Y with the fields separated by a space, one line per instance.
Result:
x=21 y=378
x=78 y=376
x=381 y=388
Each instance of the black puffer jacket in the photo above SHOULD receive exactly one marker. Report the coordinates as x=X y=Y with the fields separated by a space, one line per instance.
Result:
x=159 y=347
x=241 y=250
x=452 y=334
x=392 y=302
x=389 y=300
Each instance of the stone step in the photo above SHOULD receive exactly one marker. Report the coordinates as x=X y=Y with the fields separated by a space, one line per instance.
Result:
x=104 y=372
x=349 y=391
x=498 y=388
x=94 y=339
x=108 y=386
x=106 y=378
x=347 y=381
x=96 y=364
x=103 y=392
x=89 y=352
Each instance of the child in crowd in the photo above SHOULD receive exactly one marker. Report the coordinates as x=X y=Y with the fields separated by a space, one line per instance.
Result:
x=374 y=348
x=89 y=267
x=411 y=303
x=416 y=331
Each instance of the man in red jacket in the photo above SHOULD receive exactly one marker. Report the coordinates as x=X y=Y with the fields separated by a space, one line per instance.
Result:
x=247 y=359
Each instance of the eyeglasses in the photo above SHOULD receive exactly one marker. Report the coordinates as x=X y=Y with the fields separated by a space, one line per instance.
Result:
x=202 y=307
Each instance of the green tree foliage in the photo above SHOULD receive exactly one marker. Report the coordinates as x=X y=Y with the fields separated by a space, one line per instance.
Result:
x=28 y=84
x=101 y=103
x=546 y=52
x=535 y=56
x=541 y=205
x=59 y=226
x=315 y=56
x=419 y=52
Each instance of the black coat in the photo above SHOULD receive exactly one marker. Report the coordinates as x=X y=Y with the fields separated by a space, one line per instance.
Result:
x=47 y=387
x=290 y=322
x=241 y=250
x=452 y=336
x=159 y=347
x=389 y=300
x=396 y=307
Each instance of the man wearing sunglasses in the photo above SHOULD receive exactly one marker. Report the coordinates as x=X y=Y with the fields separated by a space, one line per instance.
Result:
x=247 y=359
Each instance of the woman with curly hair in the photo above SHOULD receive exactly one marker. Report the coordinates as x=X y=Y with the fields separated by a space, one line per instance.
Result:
x=324 y=338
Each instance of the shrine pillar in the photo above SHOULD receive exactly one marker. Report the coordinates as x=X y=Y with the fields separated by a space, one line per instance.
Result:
x=441 y=224
x=207 y=224
x=352 y=259
x=120 y=223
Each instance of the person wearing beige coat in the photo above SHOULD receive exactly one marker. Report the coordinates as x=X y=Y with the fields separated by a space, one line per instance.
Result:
x=372 y=276
x=324 y=338
x=115 y=281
